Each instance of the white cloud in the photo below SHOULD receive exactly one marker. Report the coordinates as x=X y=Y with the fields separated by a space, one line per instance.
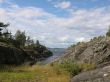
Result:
x=63 y=5
x=80 y=39
x=63 y=39
x=1 y=1
x=80 y=25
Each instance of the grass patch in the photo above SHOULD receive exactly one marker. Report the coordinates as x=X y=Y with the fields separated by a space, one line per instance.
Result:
x=54 y=72
x=35 y=73
x=67 y=66
x=87 y=66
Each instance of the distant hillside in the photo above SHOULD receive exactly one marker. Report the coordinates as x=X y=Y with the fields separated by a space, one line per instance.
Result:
x=57 y=53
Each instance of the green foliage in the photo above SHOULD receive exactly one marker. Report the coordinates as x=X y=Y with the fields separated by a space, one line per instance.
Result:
x=37 y=73
x=69 y=66
x=108 y=32
x=42 y=50
x=24 y=43
x=3 y=26
x=95 y=39
x=5 y=35
x=20 y=38
x=29 y=43
x=87 y=66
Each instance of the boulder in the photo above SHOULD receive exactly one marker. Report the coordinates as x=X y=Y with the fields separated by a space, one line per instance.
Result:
x=97 y=75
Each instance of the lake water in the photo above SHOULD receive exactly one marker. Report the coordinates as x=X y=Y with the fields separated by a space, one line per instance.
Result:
x=57 y=53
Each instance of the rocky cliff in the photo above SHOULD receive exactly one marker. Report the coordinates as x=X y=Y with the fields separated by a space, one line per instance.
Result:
x=97 y=75
x=96 y=51
x=10 y=55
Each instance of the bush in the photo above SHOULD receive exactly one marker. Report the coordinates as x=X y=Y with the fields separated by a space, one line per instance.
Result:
x=87 y=66
x=69 y=66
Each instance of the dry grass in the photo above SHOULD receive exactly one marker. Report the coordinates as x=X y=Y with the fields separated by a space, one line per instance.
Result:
x=87 y=66
x=37 y=73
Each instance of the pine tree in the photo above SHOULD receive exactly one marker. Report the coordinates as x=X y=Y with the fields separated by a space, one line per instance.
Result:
x=2 y=26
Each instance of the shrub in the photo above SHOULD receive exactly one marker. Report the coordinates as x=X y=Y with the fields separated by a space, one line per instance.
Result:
x=69 y=66
x=87 y=66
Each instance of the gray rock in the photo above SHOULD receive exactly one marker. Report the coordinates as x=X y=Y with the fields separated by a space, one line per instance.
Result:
x=97 y=75
x=97 y=51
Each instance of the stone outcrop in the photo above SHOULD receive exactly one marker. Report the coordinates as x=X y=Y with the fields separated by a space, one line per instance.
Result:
x=11 y=55
x=97 y=75
x=97 y=51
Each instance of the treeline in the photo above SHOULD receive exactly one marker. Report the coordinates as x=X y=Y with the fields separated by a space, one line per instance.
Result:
x=19 y=40
x=23 y=42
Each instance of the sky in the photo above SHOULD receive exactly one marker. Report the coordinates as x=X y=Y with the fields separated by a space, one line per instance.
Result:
x=57 y=23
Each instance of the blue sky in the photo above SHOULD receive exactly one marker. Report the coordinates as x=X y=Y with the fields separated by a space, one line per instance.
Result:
x=57 y=23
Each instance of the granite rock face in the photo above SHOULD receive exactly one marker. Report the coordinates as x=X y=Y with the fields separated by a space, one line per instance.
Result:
x=97 y=75
x=97 y=51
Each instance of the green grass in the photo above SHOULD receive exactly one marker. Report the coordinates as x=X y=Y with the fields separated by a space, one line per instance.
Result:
x=36 y=73
x=54 y=72
x=15 y=76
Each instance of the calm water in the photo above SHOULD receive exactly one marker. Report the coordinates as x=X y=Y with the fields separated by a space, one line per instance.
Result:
x=57 y=53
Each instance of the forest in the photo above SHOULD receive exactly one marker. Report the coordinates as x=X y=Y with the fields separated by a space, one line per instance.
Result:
x=20 y=46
